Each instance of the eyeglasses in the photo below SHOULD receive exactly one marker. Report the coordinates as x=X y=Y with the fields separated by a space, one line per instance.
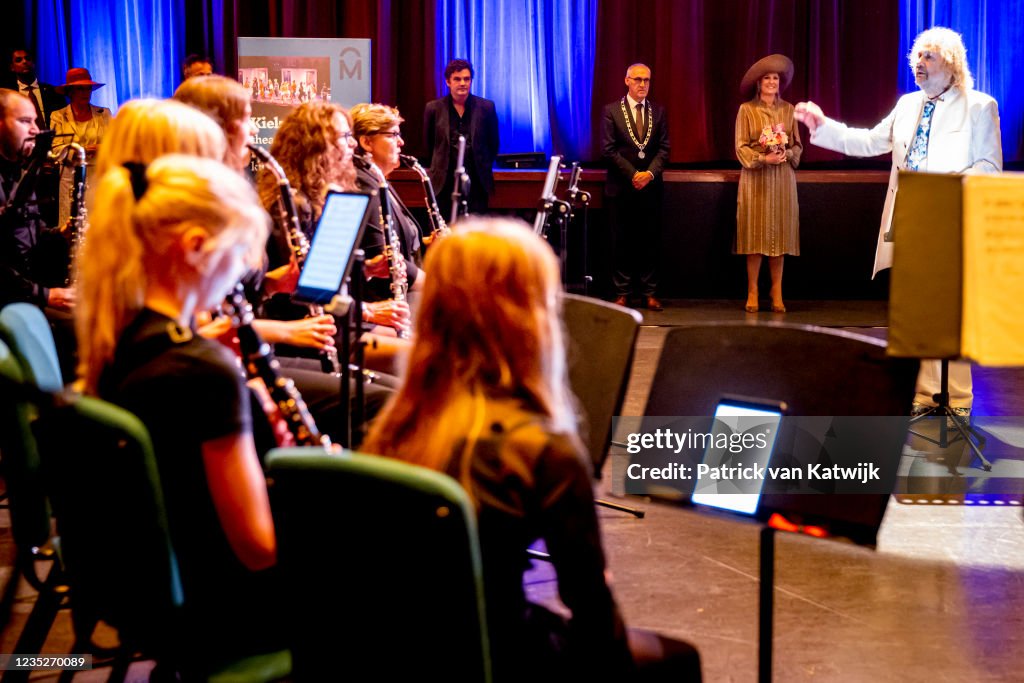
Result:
x=390 y=133
x=640 y=80
x=348 y=135
x=19 y=60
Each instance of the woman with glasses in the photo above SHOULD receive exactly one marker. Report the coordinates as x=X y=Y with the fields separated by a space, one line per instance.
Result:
x=314 y=147
x=378 y=144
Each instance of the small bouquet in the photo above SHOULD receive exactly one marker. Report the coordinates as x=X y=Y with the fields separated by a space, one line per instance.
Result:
x=774 y=138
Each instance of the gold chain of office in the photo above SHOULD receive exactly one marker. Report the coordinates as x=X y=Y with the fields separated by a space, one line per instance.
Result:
x=628 y=118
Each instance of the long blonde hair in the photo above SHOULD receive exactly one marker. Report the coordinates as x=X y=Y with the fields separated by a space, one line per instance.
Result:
x=489 y=326
x=133 y=224
x=145 y=129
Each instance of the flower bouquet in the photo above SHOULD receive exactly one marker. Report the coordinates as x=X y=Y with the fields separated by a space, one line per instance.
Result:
x=774 y=138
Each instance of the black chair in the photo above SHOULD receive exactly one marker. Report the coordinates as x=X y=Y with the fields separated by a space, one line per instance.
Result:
x=120 y=564
x=394 y=590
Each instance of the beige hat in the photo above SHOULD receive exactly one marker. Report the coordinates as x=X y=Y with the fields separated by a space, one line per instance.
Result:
x=779 y=64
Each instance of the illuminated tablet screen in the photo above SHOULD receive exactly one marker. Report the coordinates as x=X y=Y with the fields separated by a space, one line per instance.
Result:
x=732 y=491
x=337 y=236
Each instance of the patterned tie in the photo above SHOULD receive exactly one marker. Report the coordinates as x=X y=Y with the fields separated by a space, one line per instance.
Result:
x=640 y=121
x=919 y=149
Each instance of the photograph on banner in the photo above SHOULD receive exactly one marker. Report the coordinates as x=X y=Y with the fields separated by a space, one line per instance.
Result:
x=282 y=73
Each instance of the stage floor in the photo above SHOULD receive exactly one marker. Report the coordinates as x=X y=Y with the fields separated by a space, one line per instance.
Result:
x=938 y=600
x=853 y=313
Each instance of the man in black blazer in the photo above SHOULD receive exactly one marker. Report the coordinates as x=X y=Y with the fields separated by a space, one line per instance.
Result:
x=460 y=113
x=21 y=77
x=634 y=140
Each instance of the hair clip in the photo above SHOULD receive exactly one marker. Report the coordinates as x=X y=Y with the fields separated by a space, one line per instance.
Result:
x=137 y=172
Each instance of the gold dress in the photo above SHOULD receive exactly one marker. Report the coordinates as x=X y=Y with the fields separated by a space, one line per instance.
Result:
x=767 y=214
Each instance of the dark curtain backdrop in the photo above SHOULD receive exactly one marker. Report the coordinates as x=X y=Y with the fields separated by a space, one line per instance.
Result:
x=846 y=57
x=402 y=32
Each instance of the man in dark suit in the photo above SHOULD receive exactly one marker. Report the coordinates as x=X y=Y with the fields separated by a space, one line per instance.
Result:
x=444 y=120
x=21 y=77
x=634 y=140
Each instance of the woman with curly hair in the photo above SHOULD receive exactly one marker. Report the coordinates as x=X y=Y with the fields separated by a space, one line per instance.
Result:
x=314 y=147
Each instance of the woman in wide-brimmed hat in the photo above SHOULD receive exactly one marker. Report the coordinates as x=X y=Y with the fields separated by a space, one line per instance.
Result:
x=768 y=147
x=79 y=122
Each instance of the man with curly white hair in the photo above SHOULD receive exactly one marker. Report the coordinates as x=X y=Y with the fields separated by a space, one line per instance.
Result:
x=945 y=127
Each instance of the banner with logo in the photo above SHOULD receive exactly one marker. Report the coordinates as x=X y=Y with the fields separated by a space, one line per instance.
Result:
x=282 y=73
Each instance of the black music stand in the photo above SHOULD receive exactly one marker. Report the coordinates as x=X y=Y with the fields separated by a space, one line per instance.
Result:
x=816 y=372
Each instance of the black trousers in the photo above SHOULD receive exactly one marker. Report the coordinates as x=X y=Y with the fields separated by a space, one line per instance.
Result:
x=635 y=220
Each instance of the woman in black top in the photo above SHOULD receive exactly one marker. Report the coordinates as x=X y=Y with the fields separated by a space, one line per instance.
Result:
x=165 y=242
x=378 y=143
x=486 y=400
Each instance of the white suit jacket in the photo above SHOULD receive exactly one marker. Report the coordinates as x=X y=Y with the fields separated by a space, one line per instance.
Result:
x=964 y=138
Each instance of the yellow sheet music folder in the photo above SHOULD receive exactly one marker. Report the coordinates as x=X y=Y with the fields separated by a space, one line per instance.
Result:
x=993 y=269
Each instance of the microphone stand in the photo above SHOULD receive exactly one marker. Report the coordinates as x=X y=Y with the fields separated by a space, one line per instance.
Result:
x=460 y=189
x=359 y=360
x=347 y=305
x=578 y=196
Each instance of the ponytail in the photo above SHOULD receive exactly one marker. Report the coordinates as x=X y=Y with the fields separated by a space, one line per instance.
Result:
x=111 y=276
x=136 y=216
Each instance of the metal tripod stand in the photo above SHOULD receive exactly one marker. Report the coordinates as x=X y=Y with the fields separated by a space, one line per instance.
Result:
x=961 y=424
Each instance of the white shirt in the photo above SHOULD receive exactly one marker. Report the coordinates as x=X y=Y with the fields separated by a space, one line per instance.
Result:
x=36 y=94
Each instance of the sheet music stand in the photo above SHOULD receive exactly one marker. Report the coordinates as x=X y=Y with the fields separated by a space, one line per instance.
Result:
x=926 y=296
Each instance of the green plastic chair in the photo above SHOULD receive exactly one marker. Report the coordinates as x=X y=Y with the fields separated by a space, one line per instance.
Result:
x=27 y=333
x=119 y=560
x=35 y=553
x=394 y=590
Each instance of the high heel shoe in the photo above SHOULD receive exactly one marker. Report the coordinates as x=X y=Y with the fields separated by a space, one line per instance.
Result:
x=751 y=309
x=778 y=308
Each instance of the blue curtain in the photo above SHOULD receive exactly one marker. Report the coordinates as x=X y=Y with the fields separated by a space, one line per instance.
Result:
x=134 y=46
x=535 y=59
x=47 y=25
x=993 y=32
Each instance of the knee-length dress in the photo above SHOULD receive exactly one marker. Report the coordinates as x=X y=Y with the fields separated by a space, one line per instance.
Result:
x=767 y=214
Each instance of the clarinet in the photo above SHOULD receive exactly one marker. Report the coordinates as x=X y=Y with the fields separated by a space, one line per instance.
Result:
x=392 y=250
x=78 y=210
x=438 y=228
x=297 y=240
x=260 y=362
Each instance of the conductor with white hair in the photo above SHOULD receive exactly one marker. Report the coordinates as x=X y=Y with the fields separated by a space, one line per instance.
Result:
x=946 y=126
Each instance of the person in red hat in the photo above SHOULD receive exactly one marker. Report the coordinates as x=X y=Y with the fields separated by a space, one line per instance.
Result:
x=79 y=122
x=768 y=147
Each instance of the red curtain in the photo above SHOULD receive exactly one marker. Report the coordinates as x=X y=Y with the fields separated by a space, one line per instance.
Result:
x=402 y=32
x=845 y=56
